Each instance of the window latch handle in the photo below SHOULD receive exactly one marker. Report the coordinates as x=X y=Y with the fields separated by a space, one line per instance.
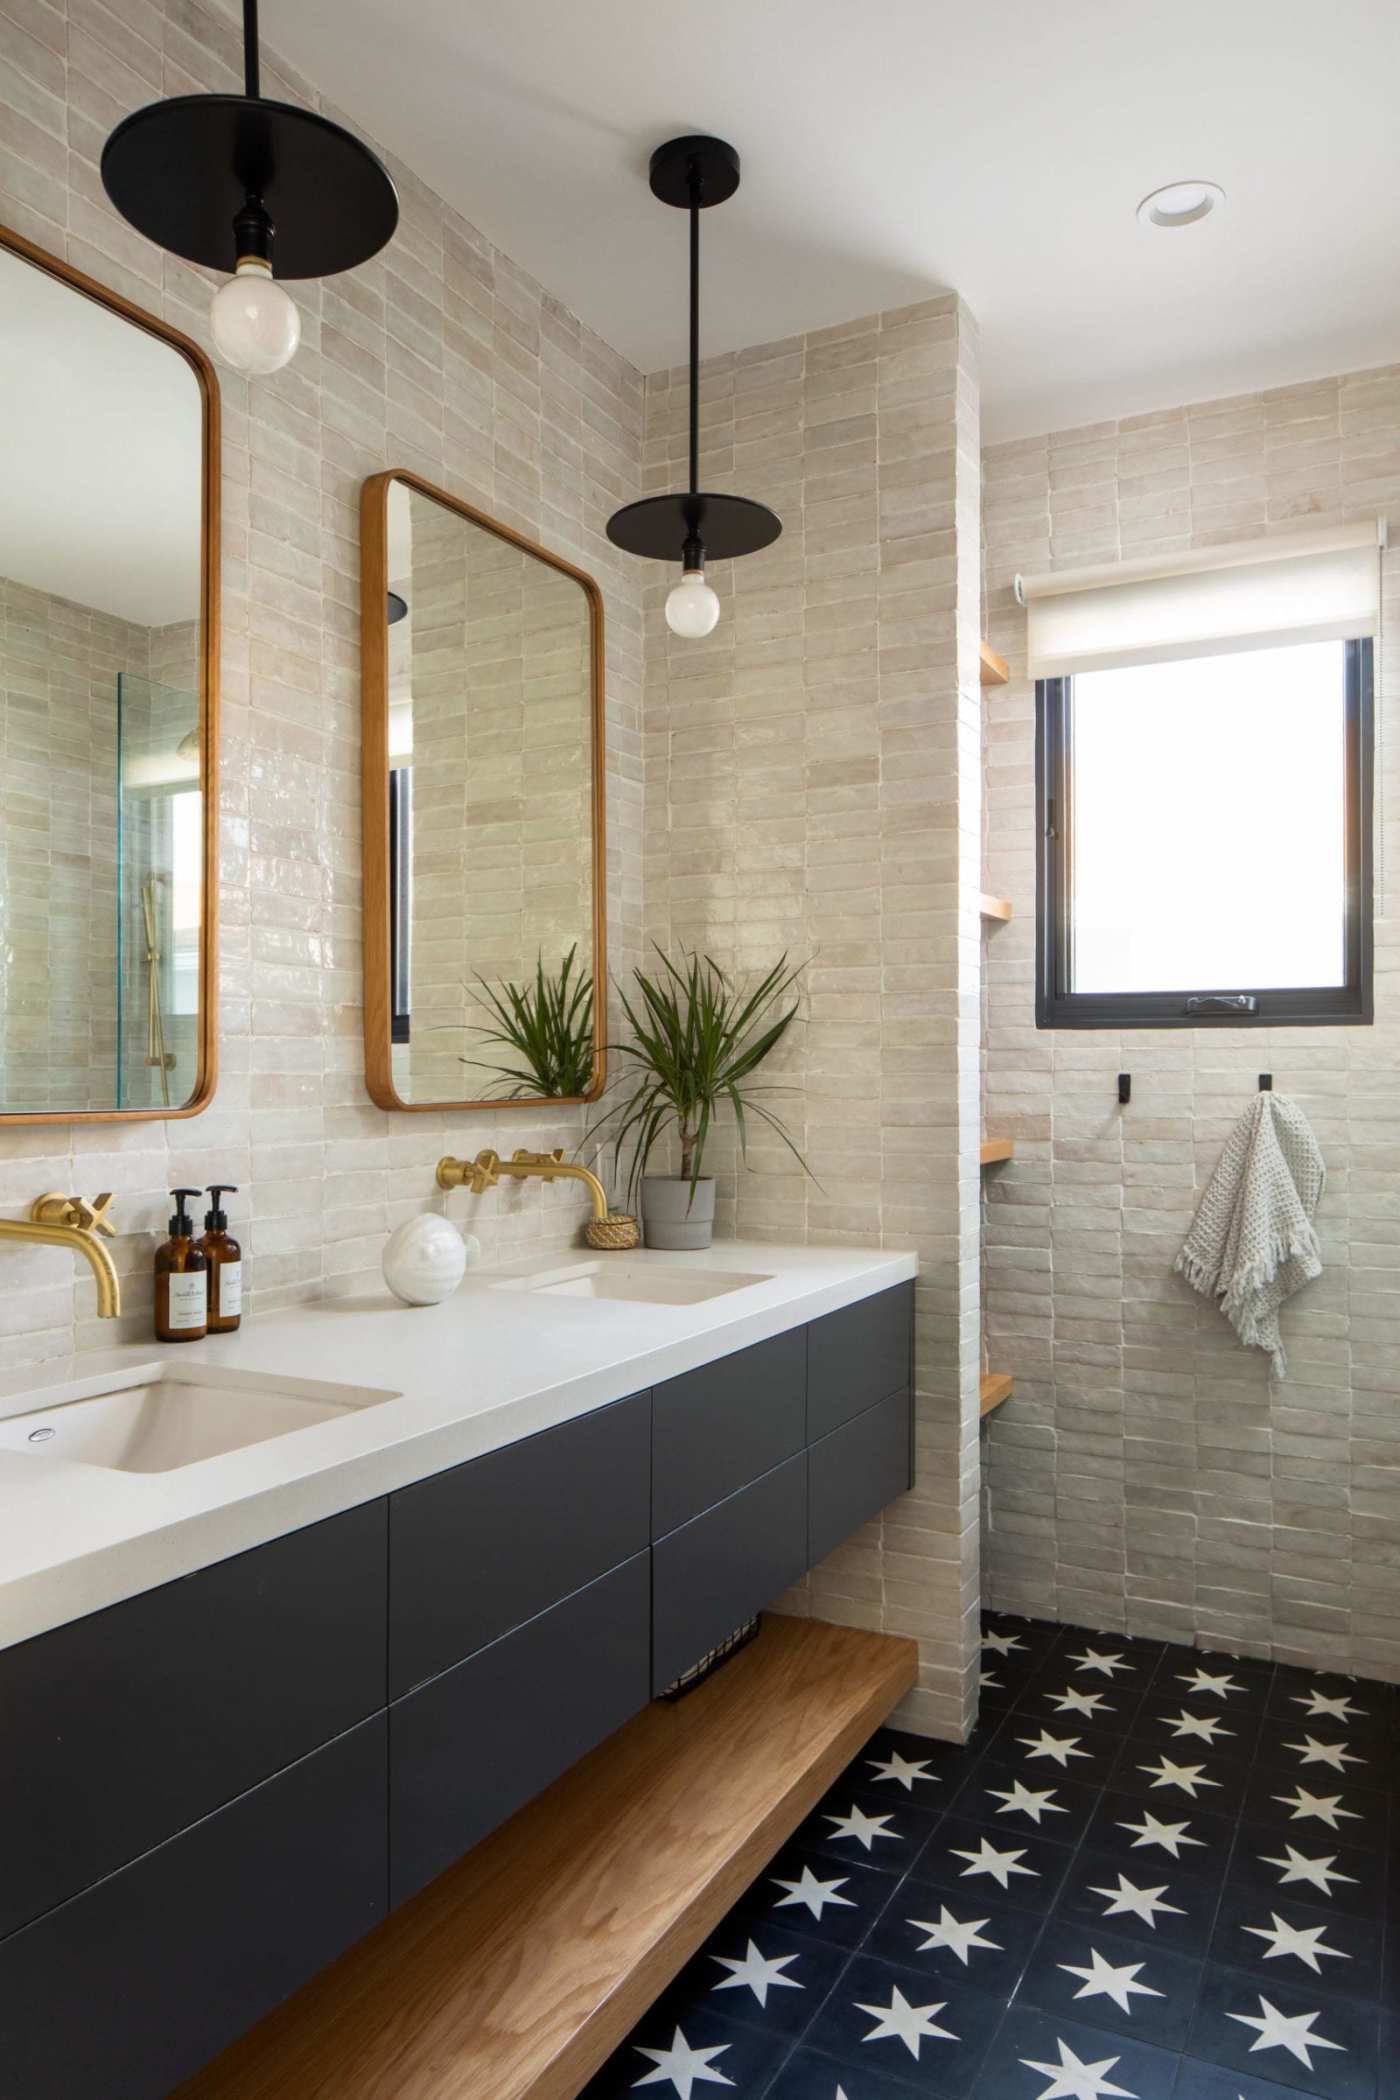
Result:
x=1223 y=1003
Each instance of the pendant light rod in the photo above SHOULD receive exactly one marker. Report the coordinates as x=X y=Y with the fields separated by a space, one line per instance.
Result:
x=252 y=82
x=694 y=328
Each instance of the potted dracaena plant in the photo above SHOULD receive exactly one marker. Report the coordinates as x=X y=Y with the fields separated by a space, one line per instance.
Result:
x=542 y=1033
x=697 y=1041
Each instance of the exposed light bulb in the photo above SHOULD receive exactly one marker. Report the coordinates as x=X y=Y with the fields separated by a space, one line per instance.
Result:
x=256 y=326
x=692 y=610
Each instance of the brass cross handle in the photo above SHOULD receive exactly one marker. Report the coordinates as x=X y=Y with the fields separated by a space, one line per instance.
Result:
x=77 y=1212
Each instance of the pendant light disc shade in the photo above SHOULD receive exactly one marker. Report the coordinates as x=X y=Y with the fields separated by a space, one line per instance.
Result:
x=727 y=526
x=179 y=171
x=715 y=160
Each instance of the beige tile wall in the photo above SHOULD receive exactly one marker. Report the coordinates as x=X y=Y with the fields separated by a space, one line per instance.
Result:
x=1147 y=1476
x=440 y=356
x=812 y=785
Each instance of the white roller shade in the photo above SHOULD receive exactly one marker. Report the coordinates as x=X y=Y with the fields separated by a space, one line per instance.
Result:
x=1311 y=587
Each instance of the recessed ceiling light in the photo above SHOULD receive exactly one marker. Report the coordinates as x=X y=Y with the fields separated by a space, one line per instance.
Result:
x=1180 y=203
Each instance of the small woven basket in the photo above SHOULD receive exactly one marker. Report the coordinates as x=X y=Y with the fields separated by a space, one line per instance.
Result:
x=619 y=1230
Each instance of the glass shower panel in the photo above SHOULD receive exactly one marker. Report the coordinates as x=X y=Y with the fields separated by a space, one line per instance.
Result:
x=160 y=878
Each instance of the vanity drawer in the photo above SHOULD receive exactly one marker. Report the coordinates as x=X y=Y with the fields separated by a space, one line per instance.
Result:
x=485 y=1547
x=129 y=1725
x=721 y=1568
x=858 y=1355
x=716 y=1429
x=126 y=1990
x=478 y=1742
x=856 y=1472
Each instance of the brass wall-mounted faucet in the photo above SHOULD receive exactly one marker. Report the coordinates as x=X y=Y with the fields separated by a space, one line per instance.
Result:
x=69 y=1221
x=483 y=1173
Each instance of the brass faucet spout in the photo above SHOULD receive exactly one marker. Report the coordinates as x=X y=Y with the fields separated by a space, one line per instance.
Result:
x=485 y=1170
x=66 y=1221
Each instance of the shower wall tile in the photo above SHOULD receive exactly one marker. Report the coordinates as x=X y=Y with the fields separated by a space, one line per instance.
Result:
x=1148 y=1476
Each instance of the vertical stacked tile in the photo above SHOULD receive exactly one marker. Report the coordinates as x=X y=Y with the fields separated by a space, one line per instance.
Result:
x=441 y=356
x=1148 y=1476
x=813 y=787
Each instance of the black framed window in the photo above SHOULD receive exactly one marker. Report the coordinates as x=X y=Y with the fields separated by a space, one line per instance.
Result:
x=1204 y=849
x=400 y=897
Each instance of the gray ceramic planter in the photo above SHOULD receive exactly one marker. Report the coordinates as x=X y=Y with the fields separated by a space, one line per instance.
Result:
x=670 y=1218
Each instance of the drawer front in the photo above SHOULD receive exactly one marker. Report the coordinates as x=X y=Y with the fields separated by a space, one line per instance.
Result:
x=856 y=1472
x=129 y=1725
x=858 y=1356
x=724 y=1566
x=716 y=1429
x=470 y=1748
x=481 y=1549
x=128 y=1989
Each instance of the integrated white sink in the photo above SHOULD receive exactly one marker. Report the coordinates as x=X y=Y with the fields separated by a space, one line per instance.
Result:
x=159 y=1416
x=640 y=1282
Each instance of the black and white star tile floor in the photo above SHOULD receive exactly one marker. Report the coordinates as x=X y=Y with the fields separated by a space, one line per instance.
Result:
x=1153 y=1874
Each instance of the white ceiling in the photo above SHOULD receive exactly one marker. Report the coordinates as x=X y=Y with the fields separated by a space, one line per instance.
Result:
x=100 y=455
x=896 y=147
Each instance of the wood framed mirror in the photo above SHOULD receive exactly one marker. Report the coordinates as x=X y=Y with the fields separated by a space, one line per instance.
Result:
x=484 y=908
x=109 y=651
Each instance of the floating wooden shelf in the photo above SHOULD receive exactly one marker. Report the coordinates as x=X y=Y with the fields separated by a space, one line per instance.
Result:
x=995 y=670
x=995 y=907
x=515 y=1975
x=995 y=1149
x=996 y=1387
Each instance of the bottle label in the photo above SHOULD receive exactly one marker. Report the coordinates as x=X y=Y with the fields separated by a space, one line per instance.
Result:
x=230 y=1274
x=189 y=1300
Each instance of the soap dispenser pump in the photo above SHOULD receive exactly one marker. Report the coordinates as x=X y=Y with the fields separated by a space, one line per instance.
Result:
x=225 y=1259
x=182 y=1279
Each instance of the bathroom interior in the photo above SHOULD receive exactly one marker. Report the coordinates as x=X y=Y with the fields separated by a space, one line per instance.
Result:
x=699 y=1237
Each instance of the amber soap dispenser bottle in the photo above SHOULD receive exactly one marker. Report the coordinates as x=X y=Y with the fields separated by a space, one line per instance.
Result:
x=182 y=1279
x=225 y=1259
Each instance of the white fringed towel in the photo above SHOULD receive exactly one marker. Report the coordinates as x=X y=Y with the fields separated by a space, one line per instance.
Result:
x=1252 y=1243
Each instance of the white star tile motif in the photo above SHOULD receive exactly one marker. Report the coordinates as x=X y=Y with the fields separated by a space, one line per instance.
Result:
x=1105 y=1664
x=1061 y=1748
x=1327 y=1808
x=1170 y=1836
x=1102 y=1980
x=1189 y=1778
x=1204 y=1726
x=1203 y=1682
x=987 y=1860
x=987 y=1682
x=1318 y=1706
x=1002 y=1643
x=1025 y=1800
x=756 y=1973
x=858 y=1825
x=1295 y=1866
x=958 y=1935
x=899 y=2021
x=904 y=1771
x=812 y=1893
x=1312 y=1752
x=1143 y=1903
x=1306 y=1943
x=682 y=2067
x=1070 y=2079
x=1069 y=1701
x=1275 y=2031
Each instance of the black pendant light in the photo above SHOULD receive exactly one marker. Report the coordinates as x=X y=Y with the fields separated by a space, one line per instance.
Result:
x=398 y=609
x=242 y=184
x=692 y=174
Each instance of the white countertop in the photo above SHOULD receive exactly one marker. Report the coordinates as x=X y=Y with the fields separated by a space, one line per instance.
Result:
x=481 y=1370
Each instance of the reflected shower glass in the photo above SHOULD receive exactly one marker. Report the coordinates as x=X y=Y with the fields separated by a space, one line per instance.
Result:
x=159 y=861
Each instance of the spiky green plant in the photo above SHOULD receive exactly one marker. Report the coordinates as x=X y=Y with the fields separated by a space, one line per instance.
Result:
x=545 y=1030
x=697 y=1040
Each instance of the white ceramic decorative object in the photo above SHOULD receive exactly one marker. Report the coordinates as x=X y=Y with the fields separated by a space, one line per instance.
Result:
x=424 y=1260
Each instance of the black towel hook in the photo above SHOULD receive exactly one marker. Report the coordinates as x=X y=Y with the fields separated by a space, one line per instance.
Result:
x=1125 y=1088
x=1266 y=1082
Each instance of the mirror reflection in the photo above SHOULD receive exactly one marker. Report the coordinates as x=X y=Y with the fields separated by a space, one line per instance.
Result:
x=492 y=849
x=101 y=649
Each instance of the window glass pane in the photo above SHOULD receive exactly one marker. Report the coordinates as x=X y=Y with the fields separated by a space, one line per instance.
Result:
x=1208 y=823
